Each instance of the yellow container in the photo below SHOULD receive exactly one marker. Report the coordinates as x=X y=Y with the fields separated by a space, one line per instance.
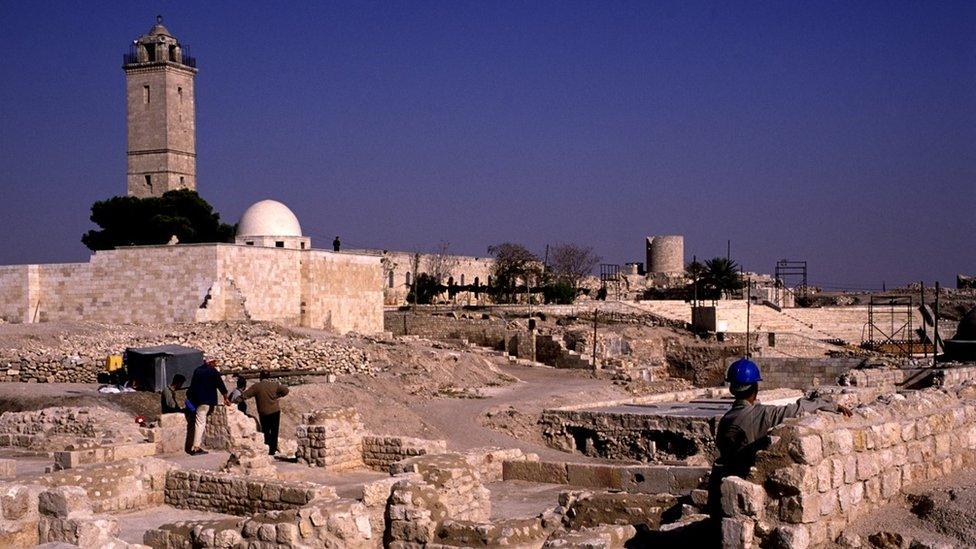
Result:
x=113 y=362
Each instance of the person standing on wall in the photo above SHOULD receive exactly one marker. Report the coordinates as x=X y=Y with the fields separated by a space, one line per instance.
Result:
x=336 y=244
x=266 y=394
x=202 y=396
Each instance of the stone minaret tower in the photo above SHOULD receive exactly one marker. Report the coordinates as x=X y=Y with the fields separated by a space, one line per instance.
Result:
x=160 y=114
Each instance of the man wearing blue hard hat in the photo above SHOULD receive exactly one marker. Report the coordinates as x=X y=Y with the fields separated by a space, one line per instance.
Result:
x=742 y=430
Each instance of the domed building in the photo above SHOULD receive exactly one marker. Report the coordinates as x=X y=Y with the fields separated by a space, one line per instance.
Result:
x=271 y=224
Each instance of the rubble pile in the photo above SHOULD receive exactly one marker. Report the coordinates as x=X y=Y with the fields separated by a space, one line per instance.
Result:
x=78 y=358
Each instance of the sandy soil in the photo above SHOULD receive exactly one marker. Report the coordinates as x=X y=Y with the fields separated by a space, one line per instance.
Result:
x=942 y=511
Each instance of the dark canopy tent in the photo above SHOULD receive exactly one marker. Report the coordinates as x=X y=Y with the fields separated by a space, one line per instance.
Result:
x=152 y=368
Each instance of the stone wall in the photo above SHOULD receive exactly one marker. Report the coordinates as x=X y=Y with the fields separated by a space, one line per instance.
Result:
x=642 y=437
x=127 y=485
x=342 y=292
x=331 y=438
x=802 y=373
x=492 y=333
x=70 y=459
x=236 y=495
x=200 y=282
x=64 y=428
x=14 y=292
x=823 y=471
x=647 y=479
x=445 y=488
x=399 y=272
x=380 y=452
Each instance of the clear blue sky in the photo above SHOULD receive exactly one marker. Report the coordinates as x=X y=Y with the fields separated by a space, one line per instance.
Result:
x=843 y=133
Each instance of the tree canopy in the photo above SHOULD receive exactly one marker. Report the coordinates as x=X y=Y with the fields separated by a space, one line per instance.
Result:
x=513 y=262
x=572 y=263
x=131 y=221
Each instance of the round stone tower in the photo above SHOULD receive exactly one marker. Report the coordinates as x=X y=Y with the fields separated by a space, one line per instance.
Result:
x=665 y=254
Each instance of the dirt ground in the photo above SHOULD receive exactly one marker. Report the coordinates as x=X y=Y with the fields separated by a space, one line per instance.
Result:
x=942 y=511
x=469 y=397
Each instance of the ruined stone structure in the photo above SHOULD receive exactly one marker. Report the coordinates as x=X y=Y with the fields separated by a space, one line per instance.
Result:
x=823 y=471
x=665 y=254
x=160 y=117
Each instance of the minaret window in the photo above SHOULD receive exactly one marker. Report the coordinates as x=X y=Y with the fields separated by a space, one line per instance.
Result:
x=145 y=94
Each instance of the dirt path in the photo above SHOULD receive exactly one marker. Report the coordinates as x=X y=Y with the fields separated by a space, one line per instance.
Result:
x=464 y=420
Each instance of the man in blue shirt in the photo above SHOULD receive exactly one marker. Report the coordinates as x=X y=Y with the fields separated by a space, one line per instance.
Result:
x=202 y=394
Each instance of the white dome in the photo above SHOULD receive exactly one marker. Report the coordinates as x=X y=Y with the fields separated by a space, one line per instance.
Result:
x=268 y=218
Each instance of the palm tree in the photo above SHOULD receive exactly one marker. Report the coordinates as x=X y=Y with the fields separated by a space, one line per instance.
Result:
x=721 y=276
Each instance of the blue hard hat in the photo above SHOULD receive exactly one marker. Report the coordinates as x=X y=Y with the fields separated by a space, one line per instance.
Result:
x=743 y=372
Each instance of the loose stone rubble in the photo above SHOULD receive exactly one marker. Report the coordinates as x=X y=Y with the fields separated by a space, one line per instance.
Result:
x=236 y=346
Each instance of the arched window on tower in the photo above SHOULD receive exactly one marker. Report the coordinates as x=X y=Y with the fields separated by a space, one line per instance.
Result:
x=462 y=279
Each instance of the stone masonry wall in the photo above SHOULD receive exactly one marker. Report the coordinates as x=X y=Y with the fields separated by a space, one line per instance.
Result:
x=62 y=428
x=14 y=305
x=342 y=292
x=380 y=452
x=237 y=495
x=803 y=373
x=200 y=282
x=486 y=333
x=630 y=436
x=331 y=438
x=823 y=471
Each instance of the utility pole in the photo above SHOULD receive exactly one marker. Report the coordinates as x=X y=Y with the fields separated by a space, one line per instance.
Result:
x=925 y=347
x=748 y=311
x=595 y=311
x=728 y=249
x=935 y=321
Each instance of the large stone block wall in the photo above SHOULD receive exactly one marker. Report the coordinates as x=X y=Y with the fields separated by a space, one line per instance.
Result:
x=237 y=495
x=331 y=438
x=380 y=452
x=267 y=280
x=802 y=373
x=14 y=282
x=200 y=282
x=824 y=470
x=342 y=292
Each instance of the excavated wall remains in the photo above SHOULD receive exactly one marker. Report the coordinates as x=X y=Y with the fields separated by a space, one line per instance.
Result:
x=823 y=471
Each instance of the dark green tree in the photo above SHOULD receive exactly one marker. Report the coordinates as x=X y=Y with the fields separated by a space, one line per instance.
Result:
x=131 y=221
x=425 y=289
x=721 y=277
x=513 y=264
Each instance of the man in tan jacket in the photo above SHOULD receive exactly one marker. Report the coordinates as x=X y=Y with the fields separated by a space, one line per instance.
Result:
x=266 y=394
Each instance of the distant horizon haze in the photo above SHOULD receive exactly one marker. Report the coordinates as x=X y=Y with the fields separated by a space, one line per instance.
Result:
x=843 y=134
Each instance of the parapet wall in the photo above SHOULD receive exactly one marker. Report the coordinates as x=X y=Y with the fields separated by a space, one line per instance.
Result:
x=823 y=471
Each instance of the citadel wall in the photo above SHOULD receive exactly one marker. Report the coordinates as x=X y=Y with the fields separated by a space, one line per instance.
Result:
x=200 y=282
